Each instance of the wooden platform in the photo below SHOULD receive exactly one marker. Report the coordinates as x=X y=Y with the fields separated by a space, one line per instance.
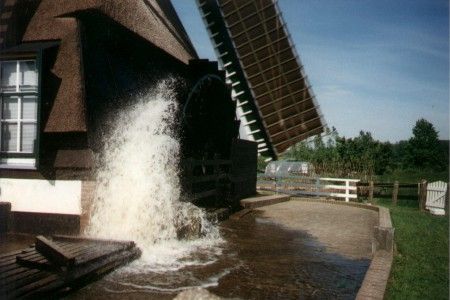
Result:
x=255 y=202
x=53 y=267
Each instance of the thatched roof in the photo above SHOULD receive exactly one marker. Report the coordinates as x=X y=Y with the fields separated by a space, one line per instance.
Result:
x=154 y=20
x=24 y=21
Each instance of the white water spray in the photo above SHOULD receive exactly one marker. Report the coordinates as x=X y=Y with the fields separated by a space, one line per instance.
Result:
x=138 y=189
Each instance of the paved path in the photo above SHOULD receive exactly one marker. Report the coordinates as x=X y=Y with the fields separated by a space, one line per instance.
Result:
x=299 y=250
x=289 y=250
x=342 y=229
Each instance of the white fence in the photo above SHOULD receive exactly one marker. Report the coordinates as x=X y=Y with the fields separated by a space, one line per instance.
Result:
x=436 y=196
x=312 y=186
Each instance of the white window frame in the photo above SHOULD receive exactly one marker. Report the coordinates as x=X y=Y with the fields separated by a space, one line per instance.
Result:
x=19 y=158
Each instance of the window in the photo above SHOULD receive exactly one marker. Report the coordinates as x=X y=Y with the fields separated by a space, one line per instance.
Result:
x=19 y=112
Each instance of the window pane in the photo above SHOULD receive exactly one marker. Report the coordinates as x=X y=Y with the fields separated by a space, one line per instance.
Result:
x=9 y=75
x=10 y=107
x=9 y=137
x=29 y=107
x=28 y=76
x=28 y=137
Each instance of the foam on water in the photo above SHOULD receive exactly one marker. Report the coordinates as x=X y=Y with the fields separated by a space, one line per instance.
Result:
x=138 y=188
x=129 y=287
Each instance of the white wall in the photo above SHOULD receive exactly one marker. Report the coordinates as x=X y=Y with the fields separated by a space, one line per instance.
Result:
x=37 y=195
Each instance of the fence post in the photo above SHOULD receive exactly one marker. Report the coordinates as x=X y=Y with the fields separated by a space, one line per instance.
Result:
x=347 y=191
x=276 y=187
x=418 y=191
x=371 y=191
x=395 y=193
x=318 y=186
x=447 y=196
x=423 y=194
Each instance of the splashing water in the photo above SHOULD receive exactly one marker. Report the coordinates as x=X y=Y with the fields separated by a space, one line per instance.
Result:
x=138 y=187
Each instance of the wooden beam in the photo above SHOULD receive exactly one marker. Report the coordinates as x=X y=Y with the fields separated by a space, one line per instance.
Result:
x=241 y=20
x=371 y=191
x=423 y=194
x=395 y=193
x=298 y=125
x=53 y=252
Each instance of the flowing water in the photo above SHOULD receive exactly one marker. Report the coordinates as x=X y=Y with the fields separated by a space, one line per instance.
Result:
x=138 y=198
x=138 y=192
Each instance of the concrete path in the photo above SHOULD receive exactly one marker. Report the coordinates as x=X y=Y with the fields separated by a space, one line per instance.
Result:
x=342 y=229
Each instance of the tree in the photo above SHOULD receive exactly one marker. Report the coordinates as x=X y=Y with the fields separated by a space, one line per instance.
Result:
x=363 y=155
x=299 y=152
x=424 y=148
x=401 y=155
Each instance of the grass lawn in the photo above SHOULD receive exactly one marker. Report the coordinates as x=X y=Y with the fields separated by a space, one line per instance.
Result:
x=420 y=269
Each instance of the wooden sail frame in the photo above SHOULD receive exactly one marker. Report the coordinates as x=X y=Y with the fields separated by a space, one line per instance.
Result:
x=274 y=98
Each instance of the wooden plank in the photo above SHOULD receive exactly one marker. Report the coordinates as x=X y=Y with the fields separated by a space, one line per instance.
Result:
x=13 y=283
x=39 y=262
x=388 y=184
x=78 y=238
x=13 y=253
x=423 y=194
x=10 y=264
x=338 y=187
x=325 y=194
x=338 y=179
x=53 y=252
x=35 y=284
x=74 y=246
x=85 y=248
x=447 y=195
x=91 y=247
x=15 y=280
x=52 y=289
x=93 y=259
x=15 y=270
x=436 y=197
x=100 y=253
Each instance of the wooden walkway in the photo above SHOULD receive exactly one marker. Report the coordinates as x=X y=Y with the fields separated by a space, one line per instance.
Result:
x=55 y=267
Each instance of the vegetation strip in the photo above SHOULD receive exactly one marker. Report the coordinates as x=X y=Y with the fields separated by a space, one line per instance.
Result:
x=420 y=267
x=363 y=157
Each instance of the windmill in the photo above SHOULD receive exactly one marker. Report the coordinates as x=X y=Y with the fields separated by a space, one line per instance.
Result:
x=274 y=98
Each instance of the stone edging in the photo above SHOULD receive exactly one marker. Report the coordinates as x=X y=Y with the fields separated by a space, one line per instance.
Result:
x=375 y=280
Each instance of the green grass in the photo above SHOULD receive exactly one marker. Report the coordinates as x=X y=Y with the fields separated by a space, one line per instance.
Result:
x=420 y=268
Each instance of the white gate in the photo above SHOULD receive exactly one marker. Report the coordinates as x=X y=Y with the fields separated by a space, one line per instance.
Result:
x=436 y=196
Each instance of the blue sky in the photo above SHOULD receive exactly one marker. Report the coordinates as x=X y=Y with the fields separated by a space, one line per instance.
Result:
x=374 y=65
